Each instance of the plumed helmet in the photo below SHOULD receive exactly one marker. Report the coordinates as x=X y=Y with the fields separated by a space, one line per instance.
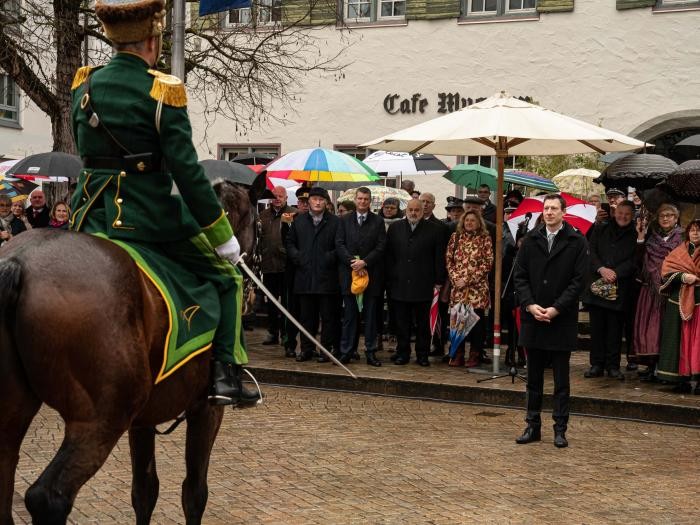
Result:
x=129 y=21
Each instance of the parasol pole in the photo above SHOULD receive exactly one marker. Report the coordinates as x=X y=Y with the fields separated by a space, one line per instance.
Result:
x=501 y=154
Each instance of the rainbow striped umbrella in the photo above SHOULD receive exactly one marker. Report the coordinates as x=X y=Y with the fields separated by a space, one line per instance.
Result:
x=529 y=179
x=321 y=165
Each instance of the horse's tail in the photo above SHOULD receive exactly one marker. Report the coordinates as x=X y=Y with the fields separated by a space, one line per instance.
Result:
x=10 y=287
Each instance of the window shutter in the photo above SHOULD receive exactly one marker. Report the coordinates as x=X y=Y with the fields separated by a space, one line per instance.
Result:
x=323 y=12
x=632 y=4
x=554 y=6
x=432 y=9
x=295 y=10
x=202 y=23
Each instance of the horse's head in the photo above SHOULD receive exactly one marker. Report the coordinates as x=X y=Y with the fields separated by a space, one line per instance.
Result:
x=241 y=214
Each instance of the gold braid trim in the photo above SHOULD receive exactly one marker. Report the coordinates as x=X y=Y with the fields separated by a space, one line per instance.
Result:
x=80 y=76
x=169 y=89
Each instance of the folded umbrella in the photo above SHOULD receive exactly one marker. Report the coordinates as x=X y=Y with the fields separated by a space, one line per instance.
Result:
x=462 y=320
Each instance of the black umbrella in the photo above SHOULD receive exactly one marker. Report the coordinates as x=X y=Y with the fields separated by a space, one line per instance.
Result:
x=51 y=164
x=609 y=158
x=643 y=171
x=218 y=170
x=684 y=183
x=688 y=148
x=251 y=159
x=230 y=171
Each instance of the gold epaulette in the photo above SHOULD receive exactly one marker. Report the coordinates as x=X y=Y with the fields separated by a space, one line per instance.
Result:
x=80 y=76
x=169 y=89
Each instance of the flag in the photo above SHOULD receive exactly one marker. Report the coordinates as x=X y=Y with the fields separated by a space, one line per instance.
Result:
x=207 y=7
x=434 y=312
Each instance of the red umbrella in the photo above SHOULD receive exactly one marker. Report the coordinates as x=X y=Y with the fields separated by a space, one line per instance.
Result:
x=579 y=214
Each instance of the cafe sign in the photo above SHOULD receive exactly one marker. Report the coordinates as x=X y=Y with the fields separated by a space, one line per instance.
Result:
x=395 y=104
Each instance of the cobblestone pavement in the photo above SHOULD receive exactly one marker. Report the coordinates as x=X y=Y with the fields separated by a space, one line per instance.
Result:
x=631 y=389
x=316 y=457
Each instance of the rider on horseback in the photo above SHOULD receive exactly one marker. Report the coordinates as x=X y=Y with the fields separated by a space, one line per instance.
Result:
x=133 y=132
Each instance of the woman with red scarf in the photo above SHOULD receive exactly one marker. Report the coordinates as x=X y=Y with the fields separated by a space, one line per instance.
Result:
x=60 y=216
x=679 y=359
x=665 y=235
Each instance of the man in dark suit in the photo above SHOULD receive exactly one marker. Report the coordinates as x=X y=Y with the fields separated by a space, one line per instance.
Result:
x=311 y=248
x=38 y=212
x=415 y=258
x=360 y=246
x=489 y=211
x=550 y=274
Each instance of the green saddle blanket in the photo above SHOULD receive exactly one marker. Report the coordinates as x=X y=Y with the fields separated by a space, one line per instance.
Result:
x=193 y=305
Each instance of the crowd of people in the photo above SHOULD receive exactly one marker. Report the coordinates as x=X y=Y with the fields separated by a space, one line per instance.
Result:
x=640 y=285
x=16 y=217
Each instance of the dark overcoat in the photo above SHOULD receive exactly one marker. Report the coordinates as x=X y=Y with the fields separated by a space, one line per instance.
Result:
x=554 y=278
x=272 y=235
x=311 y=249
x=366 y=241
x=612 y=247
x=415 y=260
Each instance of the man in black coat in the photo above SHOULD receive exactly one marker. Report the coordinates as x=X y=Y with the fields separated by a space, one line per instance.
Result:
x=311 y=249
x=360 y=245
x=550 y=274
x=38 y=212
x=415 y=257
x=613 y=245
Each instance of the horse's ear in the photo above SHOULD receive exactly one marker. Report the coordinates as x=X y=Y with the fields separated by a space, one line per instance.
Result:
x=253 y=195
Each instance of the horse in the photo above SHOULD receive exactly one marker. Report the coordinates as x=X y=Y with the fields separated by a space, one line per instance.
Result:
x=82 y=330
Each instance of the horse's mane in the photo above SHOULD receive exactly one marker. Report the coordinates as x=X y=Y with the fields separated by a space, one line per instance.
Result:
x=241 y=213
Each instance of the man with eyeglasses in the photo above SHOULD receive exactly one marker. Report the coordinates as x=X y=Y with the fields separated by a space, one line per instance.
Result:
x=489 y=210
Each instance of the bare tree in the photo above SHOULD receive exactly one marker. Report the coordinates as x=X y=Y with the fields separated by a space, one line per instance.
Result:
x=239 y=72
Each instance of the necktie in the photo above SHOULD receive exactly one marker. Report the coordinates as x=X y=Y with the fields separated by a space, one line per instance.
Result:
x=361 y=220
x=550 y=240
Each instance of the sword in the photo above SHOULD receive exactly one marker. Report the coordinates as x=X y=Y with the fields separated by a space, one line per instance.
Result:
x=241 y=263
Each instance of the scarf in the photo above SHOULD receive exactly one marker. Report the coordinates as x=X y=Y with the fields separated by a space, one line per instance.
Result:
x=680 y=261
x=56 y=224
x=656 y=251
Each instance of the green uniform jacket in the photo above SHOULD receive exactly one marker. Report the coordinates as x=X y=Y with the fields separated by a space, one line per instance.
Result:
x=128 y=204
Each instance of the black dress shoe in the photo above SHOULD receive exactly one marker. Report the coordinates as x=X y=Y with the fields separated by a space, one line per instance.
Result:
x=227 y=388
x=290 y=352
x=530 y=435
x=615 y=373
x=270 y=339
x=631 y=367
x=323 y=358
x=304 y=356
x=401 y=360
x=345 y=358
x=594 y=371
x=372 y=359
x=423 y=361
x=355 y=355
x=394 y=357
x=560 y=440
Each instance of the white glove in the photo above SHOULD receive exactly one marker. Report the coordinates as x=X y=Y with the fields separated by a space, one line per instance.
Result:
x=230 y=250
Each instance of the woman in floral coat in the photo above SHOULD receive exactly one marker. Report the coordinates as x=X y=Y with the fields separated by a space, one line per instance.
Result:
x=469 y=260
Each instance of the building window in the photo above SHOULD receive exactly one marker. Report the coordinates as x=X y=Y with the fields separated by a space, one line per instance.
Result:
x=261 y=13
x=352 y=150
x=9 y=101
x=374 y=10
x=231 y=151
x=500 y=7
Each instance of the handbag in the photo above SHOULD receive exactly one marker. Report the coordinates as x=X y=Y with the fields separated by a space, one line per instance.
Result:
x=604 y=290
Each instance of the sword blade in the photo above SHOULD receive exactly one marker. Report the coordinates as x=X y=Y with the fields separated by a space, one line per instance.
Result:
x=282 y=309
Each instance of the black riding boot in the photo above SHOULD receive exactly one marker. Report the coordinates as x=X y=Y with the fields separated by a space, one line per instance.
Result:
x=227 y=388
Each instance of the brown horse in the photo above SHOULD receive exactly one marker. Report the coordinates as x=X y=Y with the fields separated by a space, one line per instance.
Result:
x=82 y=331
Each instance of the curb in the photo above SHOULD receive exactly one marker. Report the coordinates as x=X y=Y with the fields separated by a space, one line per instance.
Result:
x=588 y=406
